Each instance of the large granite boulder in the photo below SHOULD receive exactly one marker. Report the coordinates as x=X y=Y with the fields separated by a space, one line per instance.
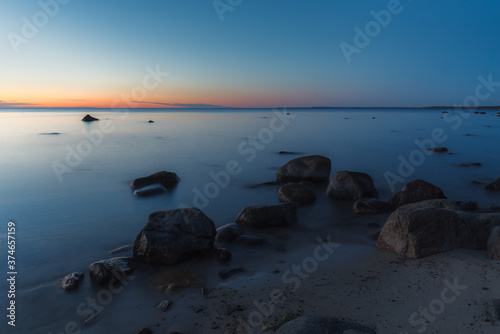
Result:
x=371 y=206
x=429 y=227
x=494 y=244
x=416 y=191
x=313 y=168
x=323 y=325
x=296 y=192
x=105 y=270
x=351 y=186
x=166 y=179
x=172 y=236
x=280 y=215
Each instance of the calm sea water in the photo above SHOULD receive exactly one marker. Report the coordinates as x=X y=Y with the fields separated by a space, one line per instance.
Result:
x=66 y=222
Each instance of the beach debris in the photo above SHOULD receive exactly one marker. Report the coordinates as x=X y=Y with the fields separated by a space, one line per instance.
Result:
x=296 y=192
x=229 y=232
x=250 y=240
x=89 y=118
x=225 y=274
x=494 y=244
x=312 y=325
x=262 y=216
x=164 y=305
x=371 y=206
x=71 y=281
x=314 y=168
x=429 y=227
x=150 y=190
x=172 y=236
x=416 y=191
x=347 y=185
x=222 y=254
x=103 y=271
x=166 y=179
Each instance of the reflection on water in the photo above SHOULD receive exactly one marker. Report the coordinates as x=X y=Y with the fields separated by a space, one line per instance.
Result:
x=64 y=226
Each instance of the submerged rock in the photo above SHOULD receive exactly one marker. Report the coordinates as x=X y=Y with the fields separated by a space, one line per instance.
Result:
x=229 y=232
x=371 y=206
x=172 y=236
x=438 y=149
x=316 y=325
x=280 y=215
x=429 y=227
x=416 y=191
x=166 y=179
x=103 y=271
x=351 y=186
x=151 y=121
x=151 y=190
x=314 y=168
x=296 y=192
x=89 y=118
x=494 y=244
x=71 y=281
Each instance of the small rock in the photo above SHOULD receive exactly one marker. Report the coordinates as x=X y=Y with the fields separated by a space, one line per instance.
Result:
x=166 y=179
x=438 y=149
x=494 y=244
x=151 y=121
x=222 y=254
x=281 y=215
x=295 y=192
x=89 y=118
x=250 y=240
x=286 y=152
x=225 y=274
x=371 y=206
x=476 y=164
x=229 y=232
x=103 y=271
x=71 y=281
x=150 y=190
x=476 y=182
x=164 y=305
x=347 y=185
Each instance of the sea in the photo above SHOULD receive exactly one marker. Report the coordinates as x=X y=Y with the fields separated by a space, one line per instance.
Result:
x=65 y=187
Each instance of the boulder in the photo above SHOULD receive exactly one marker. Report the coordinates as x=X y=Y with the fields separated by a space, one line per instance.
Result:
x=429 y=227
x=89 y=118
x=493 y=186
x=71 y=281
x=494 y=244
x=222 y=254
x=468 y=205
x=280 y=215
x=416 y=191
x=374 y=206
x=151 y=190
x=316 y=325
x=172 y=236
x=351 y=186
x=103 y=271
x=229 y=232
x=166 y=179
x=295 y=192
x=314 y=168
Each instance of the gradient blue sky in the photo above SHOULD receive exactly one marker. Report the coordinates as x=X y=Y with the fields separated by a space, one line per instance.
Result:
x=263 y=54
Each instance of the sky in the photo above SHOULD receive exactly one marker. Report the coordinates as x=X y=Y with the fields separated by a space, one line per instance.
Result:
x=247 y=53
